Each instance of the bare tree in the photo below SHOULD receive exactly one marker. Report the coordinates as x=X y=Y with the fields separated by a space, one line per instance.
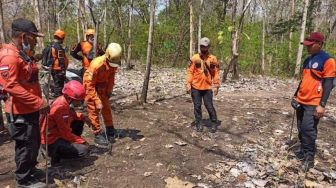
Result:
x=200 y=26
x=143 y=98
x=78 y=21
x=59 y=13
x=129 y=46
x=235 y=35
x=263 y=36
x=105 y=23
x=303 y=29
x=96 y=23
x=37 y=16
x=290 y=35
x=2 y=25
x=191 y=43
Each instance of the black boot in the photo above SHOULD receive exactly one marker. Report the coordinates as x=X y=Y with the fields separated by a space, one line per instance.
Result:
x=299 y=155
x=199 y=126
x=213 y=127
x=100 y=139
x=308 y=163
x=111 y=131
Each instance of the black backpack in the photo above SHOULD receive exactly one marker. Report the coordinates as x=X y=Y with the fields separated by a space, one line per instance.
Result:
x=47 y=59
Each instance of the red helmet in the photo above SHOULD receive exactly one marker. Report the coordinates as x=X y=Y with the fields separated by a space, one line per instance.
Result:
x=74 y=90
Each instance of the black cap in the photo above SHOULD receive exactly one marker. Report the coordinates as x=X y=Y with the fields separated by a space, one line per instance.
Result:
x=25 y=25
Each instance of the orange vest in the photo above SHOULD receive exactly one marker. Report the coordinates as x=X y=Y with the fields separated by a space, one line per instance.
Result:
x=86 y=51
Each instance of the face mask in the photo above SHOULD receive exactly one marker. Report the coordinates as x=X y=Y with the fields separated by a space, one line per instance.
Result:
x=25 y=48
x=72 y=106
x=91 y=40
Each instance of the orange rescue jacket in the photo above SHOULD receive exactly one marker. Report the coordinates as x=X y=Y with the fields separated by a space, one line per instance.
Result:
x=59 y=122
x=19 y=79
x=203 y=72
x=99 y=79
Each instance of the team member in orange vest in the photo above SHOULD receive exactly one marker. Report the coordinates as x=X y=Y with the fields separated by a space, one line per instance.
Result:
x=65 y=125
x=86 y=49
x=19 y=79
x=311 y=97
x=202 y=83
x=98 y=83
x=60 y=62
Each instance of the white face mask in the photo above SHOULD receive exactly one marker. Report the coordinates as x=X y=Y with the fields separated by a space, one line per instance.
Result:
x=25 y=48
x=91 y=40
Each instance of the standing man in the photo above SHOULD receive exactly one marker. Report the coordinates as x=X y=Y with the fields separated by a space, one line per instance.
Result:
x=98 y=83
x=202 y=83
x=86 y=49
x=312 y=95
x=65 y=125
x=19 y=79
x=60 y=63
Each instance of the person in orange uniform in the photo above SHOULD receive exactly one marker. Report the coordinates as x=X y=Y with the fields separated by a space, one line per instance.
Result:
x=98 y=83
x=86 y=49
x=65 y=125
x=311 y=96
x=19 y=79
x=202 y=83
x=60 y=62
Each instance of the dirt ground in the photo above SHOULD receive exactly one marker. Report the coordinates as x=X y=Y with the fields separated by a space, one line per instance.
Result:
x=158 y=141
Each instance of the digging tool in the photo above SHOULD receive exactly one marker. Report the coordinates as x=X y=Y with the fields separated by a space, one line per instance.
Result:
x=47 y=124
x=291 y=130
x=101 y=121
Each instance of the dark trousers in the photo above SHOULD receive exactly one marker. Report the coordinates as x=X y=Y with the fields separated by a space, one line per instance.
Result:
x=67 y=150
x=25 y=131
x=307 y=129
x=197 y=97
x=59 y=79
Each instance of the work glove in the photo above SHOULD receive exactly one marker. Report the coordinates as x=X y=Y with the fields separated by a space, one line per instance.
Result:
x=295 y=104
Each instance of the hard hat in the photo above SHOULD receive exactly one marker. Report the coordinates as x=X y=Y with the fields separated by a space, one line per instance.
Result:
x=74 y=90
x=89 y=32
x=60 y=34
x=113 y=54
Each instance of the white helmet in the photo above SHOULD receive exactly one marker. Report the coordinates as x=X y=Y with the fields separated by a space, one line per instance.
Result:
x=113 y=54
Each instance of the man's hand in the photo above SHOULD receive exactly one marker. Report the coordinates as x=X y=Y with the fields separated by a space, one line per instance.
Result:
x=319 y=111
x=38 y=57
x=45 y=108
x=215 y=90
x=99 y=106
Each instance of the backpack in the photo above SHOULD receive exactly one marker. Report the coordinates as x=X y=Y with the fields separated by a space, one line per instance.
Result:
x=47 y=59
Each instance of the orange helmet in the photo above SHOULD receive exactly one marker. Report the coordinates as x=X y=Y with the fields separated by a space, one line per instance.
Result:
x=60 y=34
x=89 y=32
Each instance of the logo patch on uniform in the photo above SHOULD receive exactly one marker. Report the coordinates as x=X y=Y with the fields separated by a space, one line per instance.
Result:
x=4 y=67
x=315 y=65
x=5 y=75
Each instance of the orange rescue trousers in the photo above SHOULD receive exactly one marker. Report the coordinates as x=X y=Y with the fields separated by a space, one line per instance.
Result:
x=94 y=113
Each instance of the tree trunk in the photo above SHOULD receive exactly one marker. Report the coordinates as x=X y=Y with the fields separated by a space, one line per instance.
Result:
x=200 y=26
x=191 y=42
x=37 y=16
x=2 y=25
x=143 y=98
x=235 y=41
x=129 y=66
x=303 y=29
x=105 y=23
x=121 y=27
x=290 y=36
x=263 y=37
x=78 y=21
x=83 y=17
